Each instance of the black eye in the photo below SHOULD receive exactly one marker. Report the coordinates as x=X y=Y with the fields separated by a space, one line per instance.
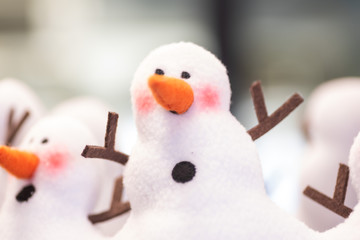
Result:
x=26 y=193
x=183 y=172
x=45 y=140
x=158 y=71
x=185 y=75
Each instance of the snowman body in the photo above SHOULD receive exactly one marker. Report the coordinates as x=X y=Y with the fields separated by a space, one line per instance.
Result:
x=224 y=200
x=43 y=217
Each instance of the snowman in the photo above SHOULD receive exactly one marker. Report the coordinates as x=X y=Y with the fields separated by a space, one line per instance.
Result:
x=92 y=112
x=53 y=188
x=349 y=228
x=194 y=172
x=20 y=108
x=332 y=120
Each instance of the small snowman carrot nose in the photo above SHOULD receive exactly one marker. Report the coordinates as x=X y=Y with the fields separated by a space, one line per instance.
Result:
x=173 y=94
x=21 y=164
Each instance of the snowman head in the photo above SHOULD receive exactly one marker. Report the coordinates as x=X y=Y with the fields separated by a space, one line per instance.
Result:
x=49 y=161
x=179 y=79
x=332 y=116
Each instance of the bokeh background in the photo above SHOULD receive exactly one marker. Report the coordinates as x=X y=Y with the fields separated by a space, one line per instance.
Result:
x=67 y=48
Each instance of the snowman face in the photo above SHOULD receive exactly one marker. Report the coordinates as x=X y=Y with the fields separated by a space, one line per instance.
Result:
x=55 y=144
x=180 y=78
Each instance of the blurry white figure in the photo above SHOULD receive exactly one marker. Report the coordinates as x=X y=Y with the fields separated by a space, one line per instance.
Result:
x=53 y=188
x=16 y=101
x=332 y=120
x=93 y=113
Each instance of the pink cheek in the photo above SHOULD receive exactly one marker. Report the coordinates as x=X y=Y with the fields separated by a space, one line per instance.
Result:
x=55 y=162
x=144 y=104
x=208 y=98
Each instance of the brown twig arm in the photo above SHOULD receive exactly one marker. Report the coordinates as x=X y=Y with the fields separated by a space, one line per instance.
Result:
x=13 y=128
x=335 y=204
x=108 y=151
x=117 y=207
x=268 y=122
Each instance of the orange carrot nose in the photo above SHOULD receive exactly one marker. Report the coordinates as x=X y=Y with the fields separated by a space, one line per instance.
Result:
x=173 y=94
x=19 y=163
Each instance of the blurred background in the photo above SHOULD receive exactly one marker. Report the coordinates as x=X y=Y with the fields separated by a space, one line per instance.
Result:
x=67 y=48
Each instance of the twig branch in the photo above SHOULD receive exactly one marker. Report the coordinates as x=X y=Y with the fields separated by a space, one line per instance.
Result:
x=335 y=204
x=117 y=206
x=108 y=151
x=13 y=128
x=268 y=122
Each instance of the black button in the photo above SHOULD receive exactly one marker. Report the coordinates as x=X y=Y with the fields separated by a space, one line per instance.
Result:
x=26 y=193
x=183 y=172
